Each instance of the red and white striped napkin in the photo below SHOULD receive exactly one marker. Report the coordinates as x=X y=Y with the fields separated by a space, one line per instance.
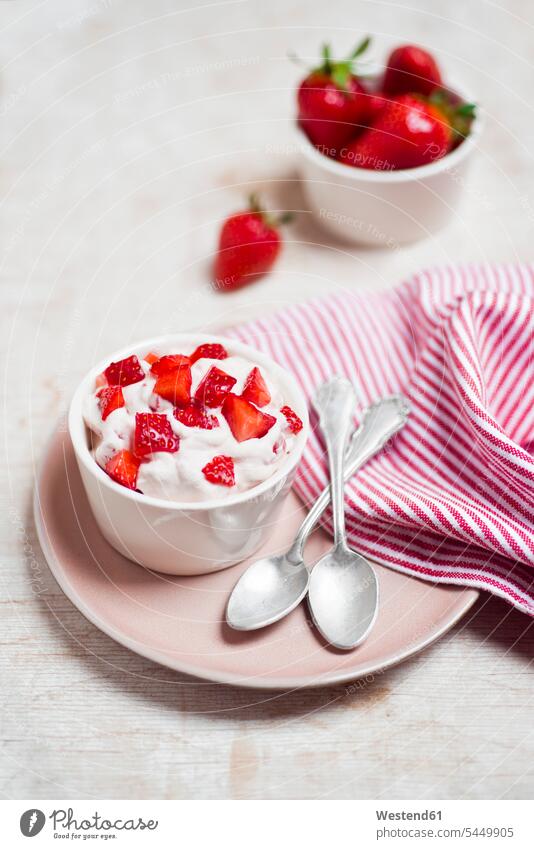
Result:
x=452 y=500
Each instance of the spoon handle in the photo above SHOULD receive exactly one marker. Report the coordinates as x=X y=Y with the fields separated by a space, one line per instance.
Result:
x=380 y=422
x=335 y=402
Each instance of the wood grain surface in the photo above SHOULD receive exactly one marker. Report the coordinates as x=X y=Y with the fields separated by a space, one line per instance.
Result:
x=128 y=131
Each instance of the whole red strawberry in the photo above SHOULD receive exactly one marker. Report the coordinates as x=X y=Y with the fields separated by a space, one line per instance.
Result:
x=411 y=69
x=410 y=131
x=332 y=102
x=249 y=244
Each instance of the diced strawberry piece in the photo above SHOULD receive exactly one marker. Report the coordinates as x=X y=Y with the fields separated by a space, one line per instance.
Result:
x=110 y=398
x=220 y=470
x=101 y=380
x=215 y=386
x=255 y=389
x=124 y=372
x=245 y=421
x=293 y=422
x=151 y=358
x=195 y=416
x=153 y=432
x=211 y=351
x=164 y=365
x=175 y=386
x=123 y=468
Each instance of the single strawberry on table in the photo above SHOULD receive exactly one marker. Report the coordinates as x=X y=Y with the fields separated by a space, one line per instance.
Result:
x=333 y=104
x=410 y=131
x=249 y=244
x=410 y=69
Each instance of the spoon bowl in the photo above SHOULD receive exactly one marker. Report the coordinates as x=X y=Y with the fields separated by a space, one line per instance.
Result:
x=268 y=590
x=343 y=597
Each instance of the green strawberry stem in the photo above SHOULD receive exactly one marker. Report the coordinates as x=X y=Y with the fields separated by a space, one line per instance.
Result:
x=339 y=70
x=268 y=218
x=460 y=115
x=327 y=59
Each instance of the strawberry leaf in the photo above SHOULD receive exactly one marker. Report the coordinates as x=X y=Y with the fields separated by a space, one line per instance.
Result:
x=340 y=74
x=467 y=110
x=459 y=115
x=326 y=53
x=360 y=48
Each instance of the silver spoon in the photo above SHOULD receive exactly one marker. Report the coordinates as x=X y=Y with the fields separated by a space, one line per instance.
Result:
x=343 y=589
x=273 y=586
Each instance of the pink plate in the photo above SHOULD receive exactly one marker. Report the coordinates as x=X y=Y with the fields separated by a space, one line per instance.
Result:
x=179 y=622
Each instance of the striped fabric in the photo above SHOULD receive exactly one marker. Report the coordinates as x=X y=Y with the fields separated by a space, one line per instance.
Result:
x=452 y=499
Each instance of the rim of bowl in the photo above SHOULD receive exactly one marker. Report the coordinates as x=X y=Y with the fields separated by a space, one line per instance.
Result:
x=78 y=429
x=404 y=174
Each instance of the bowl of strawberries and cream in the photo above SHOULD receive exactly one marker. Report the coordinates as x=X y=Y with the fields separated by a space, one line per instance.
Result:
x=187 y=446
x=384 y=157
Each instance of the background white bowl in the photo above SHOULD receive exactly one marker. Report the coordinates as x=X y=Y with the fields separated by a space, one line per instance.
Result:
x=385 y=208
x=185 y=538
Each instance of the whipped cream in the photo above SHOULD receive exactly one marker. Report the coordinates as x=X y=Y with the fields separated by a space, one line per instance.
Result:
x=178 y=476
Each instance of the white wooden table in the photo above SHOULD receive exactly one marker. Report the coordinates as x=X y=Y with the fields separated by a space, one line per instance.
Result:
x=128 y=130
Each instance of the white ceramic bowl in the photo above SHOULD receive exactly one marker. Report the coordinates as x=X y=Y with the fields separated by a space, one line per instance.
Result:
x=185 y=538
x=384 y=208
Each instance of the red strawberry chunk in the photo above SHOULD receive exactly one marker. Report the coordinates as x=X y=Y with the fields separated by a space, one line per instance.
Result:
x=175 y=386
x=220 y=470
x=123 y=468
x=255 y=389
x=195 y=416
x=164 y=365
x=293 y=421
x=211 y=351
x=153 y=432
x=215 y=386
x=244 y=420
x=124 y=372
x=110 y=398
